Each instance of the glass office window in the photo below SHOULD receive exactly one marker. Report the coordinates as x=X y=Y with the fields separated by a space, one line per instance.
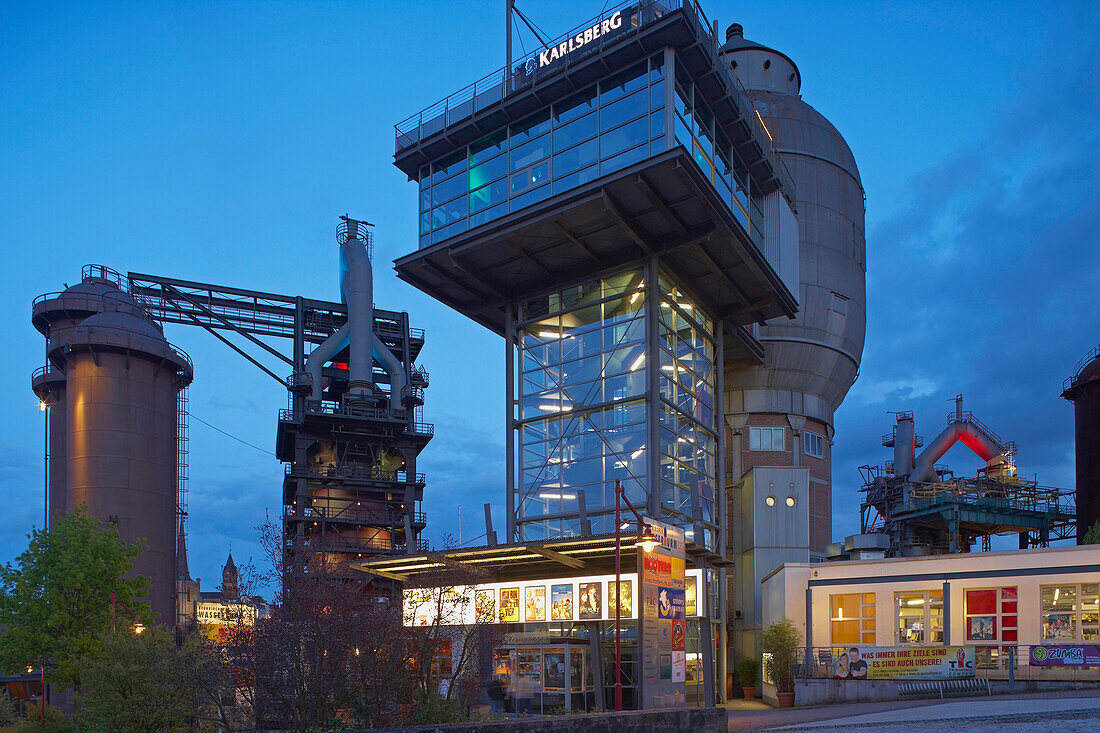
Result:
x=852 y=618
x=1069 y=612
x=919 y=617
x=596 y=131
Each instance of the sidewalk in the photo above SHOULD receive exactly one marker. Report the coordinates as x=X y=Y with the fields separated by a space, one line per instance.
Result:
x=1076 y=710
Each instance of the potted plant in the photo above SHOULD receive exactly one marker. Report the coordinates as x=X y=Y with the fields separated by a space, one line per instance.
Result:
x=780 y=643
x=747 y=669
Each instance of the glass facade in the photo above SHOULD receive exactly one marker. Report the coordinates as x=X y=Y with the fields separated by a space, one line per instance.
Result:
x=600 y=129
x=585 y=415
x=603 y=128
x=695 y=128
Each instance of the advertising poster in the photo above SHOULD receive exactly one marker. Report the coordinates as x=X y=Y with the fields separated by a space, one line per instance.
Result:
x=554 y=666
x=1065 y=655
x=589 y=601
x=561 y=603
x=690 y=593
x=509 y=605
x=535 y=603
x=679 y=666
x=485 y=606
x=903 y=662
x=623 y=597
x=663 y=594
x=981 y=628
x=1059 y=626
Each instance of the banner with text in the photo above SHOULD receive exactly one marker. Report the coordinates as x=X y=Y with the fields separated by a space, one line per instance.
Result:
x=1065 y=655
x=903 y=662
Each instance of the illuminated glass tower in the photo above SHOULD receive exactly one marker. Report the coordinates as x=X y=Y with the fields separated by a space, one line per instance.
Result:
x=612 y=207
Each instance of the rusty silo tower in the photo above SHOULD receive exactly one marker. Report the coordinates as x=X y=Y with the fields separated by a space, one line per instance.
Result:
x=112 y=383
x=1083 y=390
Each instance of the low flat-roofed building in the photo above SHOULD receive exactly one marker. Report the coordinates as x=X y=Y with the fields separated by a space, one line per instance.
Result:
x=993 y=601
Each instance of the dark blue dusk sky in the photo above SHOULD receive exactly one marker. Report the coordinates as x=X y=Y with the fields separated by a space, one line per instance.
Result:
x=219 y=141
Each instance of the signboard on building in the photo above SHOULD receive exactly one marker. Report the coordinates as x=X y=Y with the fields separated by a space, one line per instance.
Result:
x=904 y=662
x=582 y=598
x=662 y=623
x=219 y=621
x=1065 y=655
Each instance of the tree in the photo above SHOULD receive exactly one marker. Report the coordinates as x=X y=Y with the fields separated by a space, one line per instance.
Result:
x=307 y=671
x=137 y=684
x=60 y=599
x=1092 y=537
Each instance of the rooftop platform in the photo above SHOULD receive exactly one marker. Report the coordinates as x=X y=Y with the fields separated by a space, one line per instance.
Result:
x=659 y=207
x=507 y=96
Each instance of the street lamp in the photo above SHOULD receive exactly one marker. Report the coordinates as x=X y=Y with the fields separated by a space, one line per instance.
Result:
x=646 y=540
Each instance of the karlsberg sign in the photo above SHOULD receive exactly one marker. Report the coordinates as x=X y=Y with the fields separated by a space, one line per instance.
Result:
x=575 y=43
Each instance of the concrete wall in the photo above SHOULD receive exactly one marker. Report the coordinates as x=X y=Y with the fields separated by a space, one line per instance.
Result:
x=697 y=720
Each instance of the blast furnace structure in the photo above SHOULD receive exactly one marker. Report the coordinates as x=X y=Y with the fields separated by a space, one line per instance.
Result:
x=350 y=436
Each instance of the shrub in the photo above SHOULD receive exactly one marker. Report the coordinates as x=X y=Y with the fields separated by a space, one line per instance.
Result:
x=747 y=670
x=780 y=642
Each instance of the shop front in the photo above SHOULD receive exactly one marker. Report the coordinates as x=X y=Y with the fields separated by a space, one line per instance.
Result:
x=1000 y=604
x=552 y=619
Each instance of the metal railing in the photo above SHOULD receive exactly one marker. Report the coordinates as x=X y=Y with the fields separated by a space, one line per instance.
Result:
x=1080 y=366
x=352 y=472
x=991 y=661
x=353 y=514
x=493 y=89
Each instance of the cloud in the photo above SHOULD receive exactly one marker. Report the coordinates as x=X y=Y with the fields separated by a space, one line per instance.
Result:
x=981 y=285
x=464 y=466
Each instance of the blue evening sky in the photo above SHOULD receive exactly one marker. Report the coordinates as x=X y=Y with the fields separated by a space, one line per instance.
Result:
x=219 y=141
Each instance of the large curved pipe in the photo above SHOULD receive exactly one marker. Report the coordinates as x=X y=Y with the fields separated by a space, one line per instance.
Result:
x=320 y=356
x=924 y=471
x=357 y=292
x=393 y=367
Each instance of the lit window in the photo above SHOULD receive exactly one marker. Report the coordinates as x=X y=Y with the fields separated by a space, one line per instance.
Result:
x=1070 y=612
x=773 y=439
x=852 y=618
x=991 y=617
x=919 y=617
x=813 y=444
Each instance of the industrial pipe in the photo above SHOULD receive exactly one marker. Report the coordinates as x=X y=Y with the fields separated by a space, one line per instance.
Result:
x=357 y=292
x=972 y=437
x=320 y=356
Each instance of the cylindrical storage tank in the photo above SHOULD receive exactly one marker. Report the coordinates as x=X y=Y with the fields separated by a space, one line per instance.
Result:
x=1084 y=392
x=112 y=383
x=812 y=360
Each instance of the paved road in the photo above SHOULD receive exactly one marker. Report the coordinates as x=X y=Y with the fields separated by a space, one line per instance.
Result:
x=1076 y=711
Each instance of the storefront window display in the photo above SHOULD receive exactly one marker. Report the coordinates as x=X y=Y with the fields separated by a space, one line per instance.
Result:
x=919 y=617
x=1069 y=612
x=852 y=617
x=991 y=615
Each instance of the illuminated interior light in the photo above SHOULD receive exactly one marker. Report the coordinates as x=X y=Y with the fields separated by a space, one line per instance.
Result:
x=550 y=334
x=638 y=362
x=638 y=452
x=556 y=495
x=634 y=298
